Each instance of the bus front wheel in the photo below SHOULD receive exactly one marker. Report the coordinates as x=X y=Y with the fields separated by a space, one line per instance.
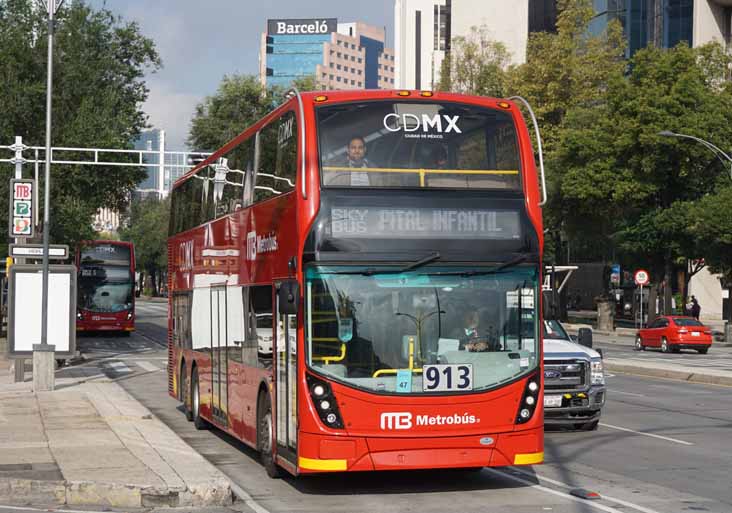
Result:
x=265 y=436
x=185 y=392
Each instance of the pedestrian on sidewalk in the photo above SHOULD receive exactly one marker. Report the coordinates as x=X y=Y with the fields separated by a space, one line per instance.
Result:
x=695 y=308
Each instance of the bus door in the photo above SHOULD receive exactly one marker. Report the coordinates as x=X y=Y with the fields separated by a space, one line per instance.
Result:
x=219 y=359
x=286 y=382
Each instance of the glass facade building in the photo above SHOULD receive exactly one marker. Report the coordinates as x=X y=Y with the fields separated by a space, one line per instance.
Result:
x=337 y=55
x=664 y=23
x=290 y=57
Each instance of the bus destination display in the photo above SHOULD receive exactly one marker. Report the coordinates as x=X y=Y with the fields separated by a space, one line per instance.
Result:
x=436 y=223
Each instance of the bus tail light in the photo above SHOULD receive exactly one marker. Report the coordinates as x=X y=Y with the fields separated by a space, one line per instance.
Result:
x=325 y=402
x=529 y=400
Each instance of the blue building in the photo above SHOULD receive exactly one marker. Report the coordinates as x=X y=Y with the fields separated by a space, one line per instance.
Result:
x=338 y=56
x=663 y=23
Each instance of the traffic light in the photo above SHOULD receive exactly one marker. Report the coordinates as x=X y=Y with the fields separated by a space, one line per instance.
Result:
x=8 y=263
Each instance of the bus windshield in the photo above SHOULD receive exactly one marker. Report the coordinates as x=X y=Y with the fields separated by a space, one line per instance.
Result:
x=418 y=144
x=105 y=288
x=365 y=327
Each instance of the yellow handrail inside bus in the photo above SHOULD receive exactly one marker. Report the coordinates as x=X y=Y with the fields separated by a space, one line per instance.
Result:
x=411 y=363
x=330 y=359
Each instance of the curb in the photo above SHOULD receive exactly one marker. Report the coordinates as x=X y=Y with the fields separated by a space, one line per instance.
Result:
x=86 y=493
x=691 y=377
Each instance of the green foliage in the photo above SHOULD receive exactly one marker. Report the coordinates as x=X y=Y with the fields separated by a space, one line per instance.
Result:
x=476 y=65
x=99 y=65
x=635 y=187
x=147 y=228
x=239 y=101
x=711 y=225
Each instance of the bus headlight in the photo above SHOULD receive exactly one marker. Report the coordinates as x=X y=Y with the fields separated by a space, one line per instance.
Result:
x=326 y=405
x=79 y=316
x=529 y=400
x=597 y=375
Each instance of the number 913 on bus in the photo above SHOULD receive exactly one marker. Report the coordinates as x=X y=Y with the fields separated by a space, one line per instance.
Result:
x=445 y=378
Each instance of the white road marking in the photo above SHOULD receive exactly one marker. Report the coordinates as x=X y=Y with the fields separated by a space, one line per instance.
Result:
x=117 y=366
x=148 y=366
x=589 y=504
x=675 y=440
x=628 y=393
x=637 y=507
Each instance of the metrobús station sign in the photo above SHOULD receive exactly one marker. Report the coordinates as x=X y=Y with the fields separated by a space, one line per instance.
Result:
x=302 y=26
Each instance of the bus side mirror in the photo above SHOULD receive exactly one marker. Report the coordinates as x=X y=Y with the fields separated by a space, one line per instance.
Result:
x=584 y=337
x=288 y=295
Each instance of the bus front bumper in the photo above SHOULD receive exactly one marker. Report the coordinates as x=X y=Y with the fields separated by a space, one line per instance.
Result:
x=320 y=453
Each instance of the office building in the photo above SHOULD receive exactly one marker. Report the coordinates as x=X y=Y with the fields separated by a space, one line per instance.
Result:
x=425 y=30
x=663 y=23
x=338 y=55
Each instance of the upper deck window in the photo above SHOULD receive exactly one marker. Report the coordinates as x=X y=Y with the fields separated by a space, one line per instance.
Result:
x=402 y=144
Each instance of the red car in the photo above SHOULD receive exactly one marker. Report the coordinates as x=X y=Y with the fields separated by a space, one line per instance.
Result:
x=672 y=333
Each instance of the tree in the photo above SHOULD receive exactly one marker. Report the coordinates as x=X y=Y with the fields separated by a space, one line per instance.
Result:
x=147 y=228
x=239 y=101
x=711 y=227
x=624 y=183
x=476 y=65
x=99 y=65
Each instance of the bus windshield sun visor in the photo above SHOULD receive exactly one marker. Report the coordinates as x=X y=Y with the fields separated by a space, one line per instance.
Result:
x=409 y=267
x=507 y=265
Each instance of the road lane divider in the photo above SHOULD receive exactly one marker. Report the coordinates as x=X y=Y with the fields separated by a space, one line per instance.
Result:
x=622 y=502
x=667 y=438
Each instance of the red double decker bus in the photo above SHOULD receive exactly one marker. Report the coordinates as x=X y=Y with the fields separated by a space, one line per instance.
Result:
x=106 y=286
x=355 y=285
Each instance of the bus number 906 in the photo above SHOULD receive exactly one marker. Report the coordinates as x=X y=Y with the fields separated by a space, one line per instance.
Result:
x=444 y=378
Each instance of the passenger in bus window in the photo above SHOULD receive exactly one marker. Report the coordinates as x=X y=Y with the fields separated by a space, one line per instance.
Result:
x=355 y=157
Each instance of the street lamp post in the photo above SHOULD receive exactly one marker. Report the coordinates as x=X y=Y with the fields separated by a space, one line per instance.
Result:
x=722 y=156
x=43 y=353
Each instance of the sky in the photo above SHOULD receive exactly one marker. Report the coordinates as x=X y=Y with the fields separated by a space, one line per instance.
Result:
x=200 y=41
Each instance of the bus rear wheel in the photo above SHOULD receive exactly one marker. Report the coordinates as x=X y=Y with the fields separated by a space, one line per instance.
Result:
x=265 y=436
x=198 y=421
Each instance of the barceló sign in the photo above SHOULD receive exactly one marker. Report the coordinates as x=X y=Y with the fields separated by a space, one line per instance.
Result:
x=22 y=207
x=641 y=277
x=307 y=26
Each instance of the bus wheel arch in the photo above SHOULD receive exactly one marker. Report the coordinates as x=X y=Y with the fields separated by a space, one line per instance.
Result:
x=198 y=421
x=185 y=390
x=265 y=432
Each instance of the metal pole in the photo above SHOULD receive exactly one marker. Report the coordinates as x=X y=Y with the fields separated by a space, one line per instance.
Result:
x=47 y=177
x=641 y=306
x=20 y=363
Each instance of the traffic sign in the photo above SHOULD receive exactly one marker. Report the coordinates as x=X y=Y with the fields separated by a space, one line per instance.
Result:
x=21 y=205
x=55 y=251
x=642 y=277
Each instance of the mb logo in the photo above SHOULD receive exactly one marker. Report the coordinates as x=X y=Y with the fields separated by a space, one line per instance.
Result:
x=252 y=246
x=396 y=420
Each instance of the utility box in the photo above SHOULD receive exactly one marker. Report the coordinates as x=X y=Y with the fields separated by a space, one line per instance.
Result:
x=25 y=296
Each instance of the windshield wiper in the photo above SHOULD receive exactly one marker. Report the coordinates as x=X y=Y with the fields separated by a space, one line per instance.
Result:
x=409 y=267
x=511 y=263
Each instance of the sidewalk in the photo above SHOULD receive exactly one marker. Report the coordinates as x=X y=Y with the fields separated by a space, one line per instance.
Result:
x=92 y=444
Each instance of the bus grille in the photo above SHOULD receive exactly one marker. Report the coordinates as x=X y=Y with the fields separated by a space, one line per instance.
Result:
x=565 y=375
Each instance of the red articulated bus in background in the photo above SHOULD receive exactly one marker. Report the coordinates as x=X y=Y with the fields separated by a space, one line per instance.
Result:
x=106 y=285
x=355 y=285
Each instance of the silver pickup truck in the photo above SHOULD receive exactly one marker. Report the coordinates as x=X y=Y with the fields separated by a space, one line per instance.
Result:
x=574 y=380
